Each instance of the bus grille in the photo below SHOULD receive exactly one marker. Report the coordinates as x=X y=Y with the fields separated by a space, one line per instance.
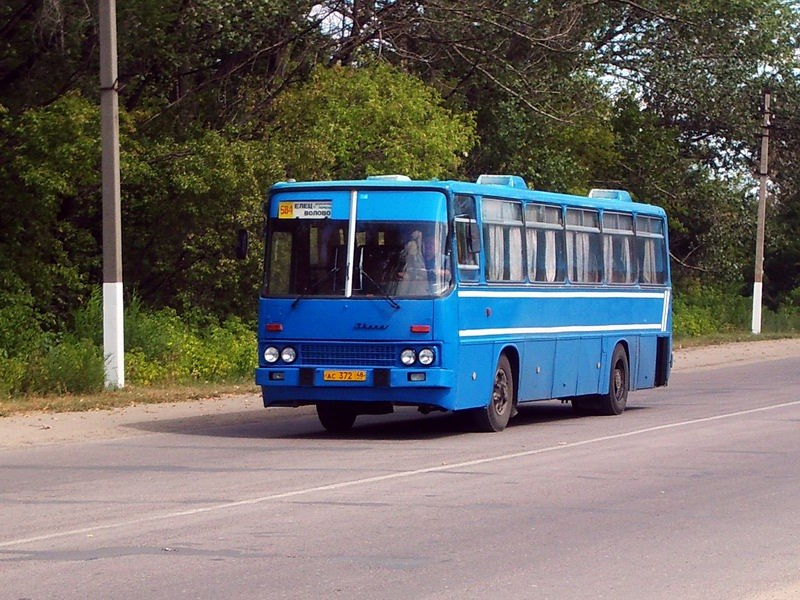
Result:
x=348 y=355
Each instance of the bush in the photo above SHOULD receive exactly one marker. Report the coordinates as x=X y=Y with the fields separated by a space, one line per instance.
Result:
x=785 y=320
x=74 y=366
x=704 y=310
x=164 y=347
x=69 y=366
x=161 y=348
x=20 y=325
x=12 y=374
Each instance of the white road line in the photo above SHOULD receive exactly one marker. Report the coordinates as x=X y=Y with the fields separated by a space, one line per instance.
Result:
x=381 y=478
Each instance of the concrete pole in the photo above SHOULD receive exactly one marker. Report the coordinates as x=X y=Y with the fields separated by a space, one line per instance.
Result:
x=762 y=212
x=113 y=330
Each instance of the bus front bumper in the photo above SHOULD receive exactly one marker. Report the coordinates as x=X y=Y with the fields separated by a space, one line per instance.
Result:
x=327 y=378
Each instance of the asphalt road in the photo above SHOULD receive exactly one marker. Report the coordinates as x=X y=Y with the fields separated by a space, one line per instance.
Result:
x=694 y=492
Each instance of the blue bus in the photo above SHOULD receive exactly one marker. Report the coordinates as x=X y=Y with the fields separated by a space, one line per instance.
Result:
x=459 y=296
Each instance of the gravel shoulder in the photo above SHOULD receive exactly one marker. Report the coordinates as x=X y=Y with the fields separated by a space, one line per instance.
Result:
x=36 y=428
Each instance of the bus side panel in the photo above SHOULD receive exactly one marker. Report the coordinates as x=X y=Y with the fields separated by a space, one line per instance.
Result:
x=565 y=379
x=646 y=372
x=478 y=359
x=536 y=374
x=589 y=367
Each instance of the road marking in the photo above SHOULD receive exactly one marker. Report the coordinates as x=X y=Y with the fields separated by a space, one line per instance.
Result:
x=381 y=478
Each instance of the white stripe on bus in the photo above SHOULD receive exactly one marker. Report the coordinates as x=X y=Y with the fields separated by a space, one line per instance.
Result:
x=509 y=294
x=566 y=329
x=665 y=314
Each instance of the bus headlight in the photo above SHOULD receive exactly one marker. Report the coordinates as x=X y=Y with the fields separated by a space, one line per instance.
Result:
x=426 y=356
x=271 y=354
x=288 y=355
x=408 y=357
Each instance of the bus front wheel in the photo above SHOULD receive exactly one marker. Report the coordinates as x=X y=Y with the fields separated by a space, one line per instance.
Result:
x=613 y=402
x=495 y=415
x=336 y=417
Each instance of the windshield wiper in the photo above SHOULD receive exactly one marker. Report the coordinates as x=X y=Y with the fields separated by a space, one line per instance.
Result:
x=305 y=294
x=383 y=292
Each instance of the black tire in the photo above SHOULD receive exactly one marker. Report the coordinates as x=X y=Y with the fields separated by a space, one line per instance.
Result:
x=613 y=402
x=336 y=417
x=495 y=415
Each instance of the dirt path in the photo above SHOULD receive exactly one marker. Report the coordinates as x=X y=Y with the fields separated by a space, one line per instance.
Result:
x=55 y=428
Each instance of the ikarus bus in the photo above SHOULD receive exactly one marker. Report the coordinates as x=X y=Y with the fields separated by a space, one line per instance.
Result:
x=459 y=296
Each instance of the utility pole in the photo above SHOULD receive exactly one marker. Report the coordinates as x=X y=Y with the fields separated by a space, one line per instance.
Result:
x=113 y=328
x=762 y=213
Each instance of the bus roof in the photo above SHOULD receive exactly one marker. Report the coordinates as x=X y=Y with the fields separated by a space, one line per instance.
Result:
x=511 y=190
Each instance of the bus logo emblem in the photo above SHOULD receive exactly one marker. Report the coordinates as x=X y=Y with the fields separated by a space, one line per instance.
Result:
x=370 y=326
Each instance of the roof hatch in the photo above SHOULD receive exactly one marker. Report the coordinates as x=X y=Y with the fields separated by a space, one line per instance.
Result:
x=514 y=181
x=620 y=195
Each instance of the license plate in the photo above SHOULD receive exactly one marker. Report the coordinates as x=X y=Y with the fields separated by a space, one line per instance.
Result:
x=344 y=375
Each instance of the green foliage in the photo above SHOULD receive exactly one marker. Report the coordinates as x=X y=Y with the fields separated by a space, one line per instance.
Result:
x=12 y=374
x=69 y=365
x=347 y=122
x=72 y=365
x=703 y=310
x=20 y=325
x=565 y=155
x=784 y=320
x=712 y=218
x=706 y=310
x=182 y=204
x=50 y=204
x=162 y=348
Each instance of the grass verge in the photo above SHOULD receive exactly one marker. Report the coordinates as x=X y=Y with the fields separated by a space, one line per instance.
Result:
x=128 y=396
x=716 y=339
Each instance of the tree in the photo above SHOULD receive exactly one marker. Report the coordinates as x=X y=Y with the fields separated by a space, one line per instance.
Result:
x=349 y=122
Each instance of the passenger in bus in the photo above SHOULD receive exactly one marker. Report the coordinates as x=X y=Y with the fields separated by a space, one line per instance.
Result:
x=424 y=271
x=435 y=263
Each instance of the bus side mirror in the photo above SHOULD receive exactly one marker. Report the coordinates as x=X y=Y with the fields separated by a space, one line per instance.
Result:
x=242 y=243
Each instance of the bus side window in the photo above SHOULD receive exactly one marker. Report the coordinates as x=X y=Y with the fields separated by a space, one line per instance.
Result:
x=584 y=246
x=467 y=238
x=503 y=231
x=651 y=251
x=546 y=243
x=618 y=248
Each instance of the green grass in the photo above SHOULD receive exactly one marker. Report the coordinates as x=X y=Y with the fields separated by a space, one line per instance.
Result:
x=717 y=339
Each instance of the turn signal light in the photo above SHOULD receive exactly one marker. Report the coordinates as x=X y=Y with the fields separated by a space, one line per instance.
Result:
x=420 y=329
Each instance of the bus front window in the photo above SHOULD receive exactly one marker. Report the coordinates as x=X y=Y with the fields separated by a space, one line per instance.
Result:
x=405 y=259
x=306 y=257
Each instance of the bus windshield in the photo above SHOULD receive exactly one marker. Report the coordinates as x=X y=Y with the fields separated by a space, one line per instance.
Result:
x=404 y=259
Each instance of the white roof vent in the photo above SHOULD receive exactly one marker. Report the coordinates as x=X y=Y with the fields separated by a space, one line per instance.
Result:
x=389 y=177
x=514 y=181
x=620 y=195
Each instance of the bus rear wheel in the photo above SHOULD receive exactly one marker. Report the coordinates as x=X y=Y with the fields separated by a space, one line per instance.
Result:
x=336 y=417
x=614 y=402
x=495 y=415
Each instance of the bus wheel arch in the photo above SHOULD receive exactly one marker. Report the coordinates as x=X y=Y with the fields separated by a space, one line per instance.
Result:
x=614 y=401
x=512 y=354
x=501 y=403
